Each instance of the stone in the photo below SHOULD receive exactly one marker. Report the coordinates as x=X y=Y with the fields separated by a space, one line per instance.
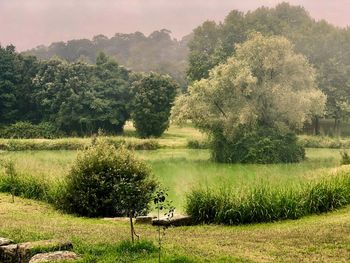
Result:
x=5 y=241
x=24 y=251
x=8 y=254
x=54 y=257
x=175 y=221
x=144 y=220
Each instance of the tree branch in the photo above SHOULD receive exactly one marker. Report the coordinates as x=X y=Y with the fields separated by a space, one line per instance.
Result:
x=220 y=109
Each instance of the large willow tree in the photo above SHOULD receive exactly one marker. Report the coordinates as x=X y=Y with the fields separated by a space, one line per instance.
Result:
x=264 y=86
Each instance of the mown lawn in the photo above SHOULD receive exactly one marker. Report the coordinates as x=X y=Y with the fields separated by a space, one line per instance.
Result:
x=320 y=238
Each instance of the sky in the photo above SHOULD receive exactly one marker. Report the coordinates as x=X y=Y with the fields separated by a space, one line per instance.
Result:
x=29 y=23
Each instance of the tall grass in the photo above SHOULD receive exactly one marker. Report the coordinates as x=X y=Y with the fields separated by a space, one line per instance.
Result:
x=33 y=187
x=74 y=144
x=324 y=142
x=264 y=203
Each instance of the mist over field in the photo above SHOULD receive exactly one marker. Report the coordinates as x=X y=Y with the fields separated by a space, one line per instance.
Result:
x=29 y=23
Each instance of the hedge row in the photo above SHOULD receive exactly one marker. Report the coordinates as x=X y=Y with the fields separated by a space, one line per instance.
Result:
x=73 y=144
x=27 y=130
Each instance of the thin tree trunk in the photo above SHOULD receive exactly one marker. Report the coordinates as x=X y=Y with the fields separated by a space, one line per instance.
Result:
x=316 y=125
x=131 y=228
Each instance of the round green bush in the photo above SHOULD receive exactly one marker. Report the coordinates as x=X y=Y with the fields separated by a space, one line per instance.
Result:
x=105 y=181
x=153 y=97
x=264 y=145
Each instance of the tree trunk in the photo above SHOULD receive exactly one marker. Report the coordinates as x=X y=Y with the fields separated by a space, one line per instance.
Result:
x=337 y=123
x=131 y=228
x=317 y=125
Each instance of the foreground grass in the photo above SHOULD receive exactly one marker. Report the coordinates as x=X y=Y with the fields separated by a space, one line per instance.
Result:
x=323 y=238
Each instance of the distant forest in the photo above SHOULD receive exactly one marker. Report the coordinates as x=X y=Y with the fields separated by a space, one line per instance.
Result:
x=157 y=52
x=326 y=47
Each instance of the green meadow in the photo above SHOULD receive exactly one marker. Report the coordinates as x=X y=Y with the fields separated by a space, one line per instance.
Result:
x=315 y=238
x=181 y=169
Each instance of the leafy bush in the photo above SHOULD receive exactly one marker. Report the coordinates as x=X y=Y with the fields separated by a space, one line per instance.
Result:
x=197 y=144
x=27 y=130
x=345 y=157
x=267 y=204
x=261 y=146
x=105 y=181
x=154 y=95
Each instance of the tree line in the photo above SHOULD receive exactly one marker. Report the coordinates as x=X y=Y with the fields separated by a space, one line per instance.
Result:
x=80 y=98
x=325 y=46
x=157 y=52
x=29 y=84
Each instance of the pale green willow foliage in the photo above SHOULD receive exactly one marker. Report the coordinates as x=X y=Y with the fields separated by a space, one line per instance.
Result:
x=264 y=84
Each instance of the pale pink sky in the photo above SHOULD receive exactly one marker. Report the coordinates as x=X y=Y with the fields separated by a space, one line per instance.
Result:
x=28 y=23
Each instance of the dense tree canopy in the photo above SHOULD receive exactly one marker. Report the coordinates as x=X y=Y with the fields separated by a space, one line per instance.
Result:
x=81 y=98
x=326 y=47
x=157 y=52
x=265 y=84
x=80 y=90
x=16 y=73
x=78 y=98
x=153 y=97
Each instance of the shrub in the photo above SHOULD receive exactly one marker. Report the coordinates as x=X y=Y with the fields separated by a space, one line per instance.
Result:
x=261 y=146
x=267 y=204
x=345 y=157
x=105 y=181
x=27 y=130
x=154 y=95
x=197 y=144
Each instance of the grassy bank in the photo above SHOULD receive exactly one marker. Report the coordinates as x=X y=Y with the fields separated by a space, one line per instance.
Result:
x=174 y=137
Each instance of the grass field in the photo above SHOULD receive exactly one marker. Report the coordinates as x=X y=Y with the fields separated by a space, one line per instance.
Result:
x=318 y=238
x=181 y=169
x=322 y=238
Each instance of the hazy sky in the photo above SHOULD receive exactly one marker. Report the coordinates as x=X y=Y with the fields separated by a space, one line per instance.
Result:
x=28 y=23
